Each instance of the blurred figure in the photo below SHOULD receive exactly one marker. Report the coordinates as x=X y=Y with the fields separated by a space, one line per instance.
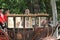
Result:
x=27 y=11
x=6 y=13
x=50 y=38
x=44 y=22
x=2 y=20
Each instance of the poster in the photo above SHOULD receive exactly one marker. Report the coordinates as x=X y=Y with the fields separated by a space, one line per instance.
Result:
x=19 y=22
x=10 y=22
x=28 y=22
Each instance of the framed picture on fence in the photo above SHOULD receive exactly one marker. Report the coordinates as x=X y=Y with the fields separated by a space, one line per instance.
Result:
x=19 y=22
x=10 y=22
x=28 y=22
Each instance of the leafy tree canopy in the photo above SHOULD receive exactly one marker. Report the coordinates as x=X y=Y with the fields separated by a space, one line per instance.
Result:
x=18 y=6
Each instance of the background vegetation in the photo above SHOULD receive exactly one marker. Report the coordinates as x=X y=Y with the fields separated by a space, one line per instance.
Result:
x=18 y=6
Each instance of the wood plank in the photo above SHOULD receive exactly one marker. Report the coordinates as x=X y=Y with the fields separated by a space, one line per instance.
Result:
x=29 y=15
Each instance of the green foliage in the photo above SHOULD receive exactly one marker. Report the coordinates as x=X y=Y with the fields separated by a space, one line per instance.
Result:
x=18 y=6
x=42 y=5
x=15 y=6
x=58 y=8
